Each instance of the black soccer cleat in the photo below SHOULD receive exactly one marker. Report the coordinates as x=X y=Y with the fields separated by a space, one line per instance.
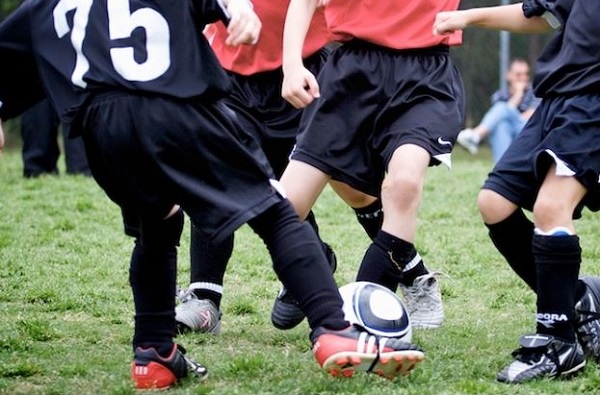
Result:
x=286 y=313
x=587 y=317
x=543 y=356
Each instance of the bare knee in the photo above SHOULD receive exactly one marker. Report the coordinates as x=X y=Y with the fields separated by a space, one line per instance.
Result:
x=549 y=213
x=493 y=206
x=402 y=188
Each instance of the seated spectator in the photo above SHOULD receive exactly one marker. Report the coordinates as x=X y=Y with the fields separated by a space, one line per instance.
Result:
x=511 y=108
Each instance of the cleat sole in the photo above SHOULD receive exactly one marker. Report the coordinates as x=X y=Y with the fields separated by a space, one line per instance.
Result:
x=390 y=366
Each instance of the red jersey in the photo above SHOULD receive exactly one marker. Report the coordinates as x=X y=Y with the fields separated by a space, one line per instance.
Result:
x=266 y=55
x=397 y=24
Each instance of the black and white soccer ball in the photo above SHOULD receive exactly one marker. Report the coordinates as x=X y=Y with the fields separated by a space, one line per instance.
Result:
x=377 y=309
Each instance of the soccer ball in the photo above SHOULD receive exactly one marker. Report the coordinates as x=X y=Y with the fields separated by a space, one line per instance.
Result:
x=377 y=309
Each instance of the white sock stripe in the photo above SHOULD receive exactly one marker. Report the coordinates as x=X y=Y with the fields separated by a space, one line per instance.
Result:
x=559 y=230
x=374 y=214
x=208 y=286
x=414 y=262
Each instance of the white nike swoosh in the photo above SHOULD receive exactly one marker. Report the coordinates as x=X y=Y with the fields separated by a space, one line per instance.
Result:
x=444 y=142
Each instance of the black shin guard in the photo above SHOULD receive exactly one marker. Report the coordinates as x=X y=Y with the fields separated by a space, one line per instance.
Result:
x=385 y=261
x=208 y=262
x=557 y=259
x=301 y=265
x=513 y=238
x=370 y=218
x=152 y=275
x=329 y=253
x=312 y=221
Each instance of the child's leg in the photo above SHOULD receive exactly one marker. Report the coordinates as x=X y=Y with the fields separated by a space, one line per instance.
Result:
x=392 y=258
x=367 y=208
x=208 y=263
x=200 y=305
x=557 y=253
x=554 y=349
x=301 y=265
x=152 y=276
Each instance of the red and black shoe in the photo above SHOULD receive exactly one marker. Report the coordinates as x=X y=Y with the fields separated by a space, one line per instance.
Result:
x=342 y=353
x=151 y=371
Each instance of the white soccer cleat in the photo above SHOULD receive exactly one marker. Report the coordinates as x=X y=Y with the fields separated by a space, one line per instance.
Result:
x=197 y=315
x=424 y=302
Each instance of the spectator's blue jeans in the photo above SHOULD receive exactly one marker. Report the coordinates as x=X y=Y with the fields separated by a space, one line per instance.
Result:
x=504 y=123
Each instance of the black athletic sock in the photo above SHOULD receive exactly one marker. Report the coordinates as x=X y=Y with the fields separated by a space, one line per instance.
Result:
x=557 y=259
x=419 y=269
x=370 y=218
x=301 y=265
x=152 y=275
x=513 y=237
x=329 y=253
x=208 y=262
x=410 y=261
x=312 y=221
x=387 y=258
x=213 y=296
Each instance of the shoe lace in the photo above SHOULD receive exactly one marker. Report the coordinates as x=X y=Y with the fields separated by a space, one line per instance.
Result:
x=591 y=316
x=193 y=367
x=587 y=328
x=421 y=292
x=529 y=355
x=532 y=356
x=185 y=294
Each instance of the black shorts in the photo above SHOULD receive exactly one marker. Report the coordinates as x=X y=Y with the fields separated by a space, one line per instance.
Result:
x=375 y=99
x=150 y=153
x=262 y=111
x=562 y=129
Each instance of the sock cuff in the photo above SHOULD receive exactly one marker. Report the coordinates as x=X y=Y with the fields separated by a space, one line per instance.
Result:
x=516 y=220
x=401 y=252
x=413 y=262
x=556 y=249
x=390 y=242
x=373 y=210
x=207 y=286
x=556 y=232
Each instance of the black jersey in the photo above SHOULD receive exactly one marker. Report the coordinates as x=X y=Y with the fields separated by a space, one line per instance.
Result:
x=570 y=64
x=83 y=46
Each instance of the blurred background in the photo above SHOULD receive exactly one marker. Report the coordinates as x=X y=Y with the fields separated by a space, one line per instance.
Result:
x=482 y=60
x=484 y=57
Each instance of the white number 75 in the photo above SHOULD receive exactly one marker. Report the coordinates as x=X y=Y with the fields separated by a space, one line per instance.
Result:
x=122 y=23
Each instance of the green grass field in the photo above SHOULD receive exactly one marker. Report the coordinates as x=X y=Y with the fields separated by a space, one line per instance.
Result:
x=67 y=311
